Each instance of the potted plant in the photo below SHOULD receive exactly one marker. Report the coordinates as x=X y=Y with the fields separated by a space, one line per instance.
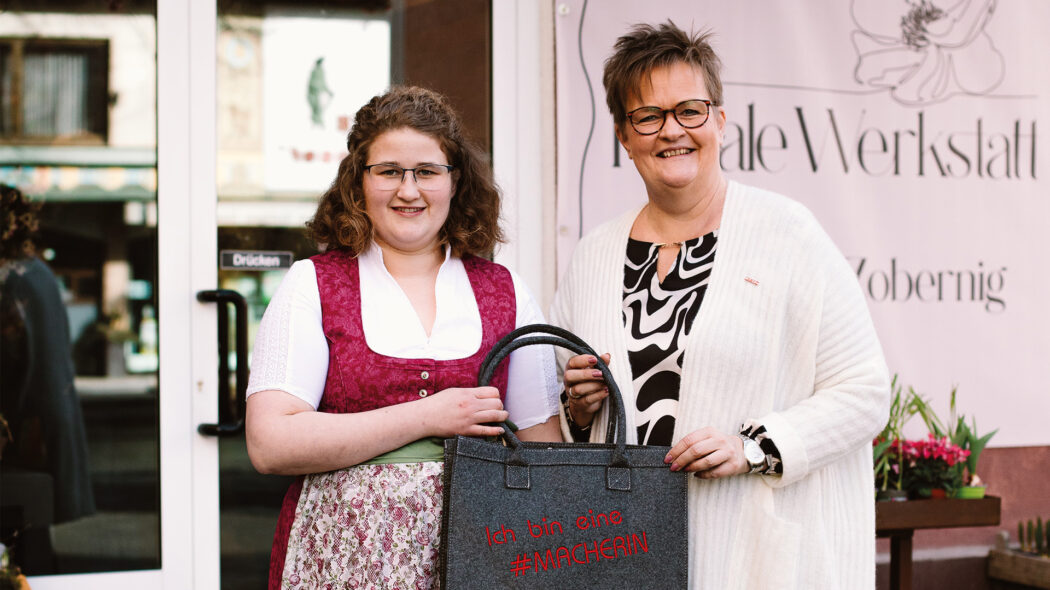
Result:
x=944 y=463
x=934 y=466
x=888 y=448
x=961 y=435
x=1028 y=563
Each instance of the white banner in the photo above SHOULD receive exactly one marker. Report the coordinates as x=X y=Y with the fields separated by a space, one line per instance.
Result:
x=911 y=130
x=318 y=72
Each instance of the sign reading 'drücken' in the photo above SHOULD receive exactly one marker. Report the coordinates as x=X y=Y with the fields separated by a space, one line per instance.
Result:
x=254 y=260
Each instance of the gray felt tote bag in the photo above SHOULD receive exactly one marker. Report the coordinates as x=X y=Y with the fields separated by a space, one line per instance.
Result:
x=561 y=515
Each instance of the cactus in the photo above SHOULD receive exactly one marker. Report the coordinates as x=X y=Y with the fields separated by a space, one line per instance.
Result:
x=1047 y=546
x=1040 y=539
x=1034 y=536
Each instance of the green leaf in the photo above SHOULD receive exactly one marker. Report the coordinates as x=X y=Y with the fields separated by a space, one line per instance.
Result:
x=881 y=448
x=882 y=463
x=919 y=405
x=976 y=446
x=961 y=436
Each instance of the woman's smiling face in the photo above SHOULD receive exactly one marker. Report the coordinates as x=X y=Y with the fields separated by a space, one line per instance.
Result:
x=675 y=157
x=406 y=218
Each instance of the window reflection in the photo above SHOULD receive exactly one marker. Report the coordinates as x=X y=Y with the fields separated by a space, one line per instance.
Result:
x=79 y=350
x=54 y=89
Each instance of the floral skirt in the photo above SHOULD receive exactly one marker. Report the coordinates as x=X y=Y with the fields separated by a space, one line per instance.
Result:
x=368 y=526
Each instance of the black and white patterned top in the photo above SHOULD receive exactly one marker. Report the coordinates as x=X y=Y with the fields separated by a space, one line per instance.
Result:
x=658 y=316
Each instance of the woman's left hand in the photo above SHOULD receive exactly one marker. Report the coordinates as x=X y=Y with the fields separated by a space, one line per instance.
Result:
x=709 y=453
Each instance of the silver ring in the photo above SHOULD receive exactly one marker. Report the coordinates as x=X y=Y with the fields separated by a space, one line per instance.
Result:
x=573 y=395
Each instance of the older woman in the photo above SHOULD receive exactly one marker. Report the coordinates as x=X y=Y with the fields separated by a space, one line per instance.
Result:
x=370 y=351
x=737 y=333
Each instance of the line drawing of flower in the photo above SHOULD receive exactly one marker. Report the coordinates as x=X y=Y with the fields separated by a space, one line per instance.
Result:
x=926 y=51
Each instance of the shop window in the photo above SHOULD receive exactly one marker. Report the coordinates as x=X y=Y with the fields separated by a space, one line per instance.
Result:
x=54 y=91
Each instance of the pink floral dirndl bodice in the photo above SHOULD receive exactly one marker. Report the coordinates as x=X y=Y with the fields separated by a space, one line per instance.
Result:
x=377 y=526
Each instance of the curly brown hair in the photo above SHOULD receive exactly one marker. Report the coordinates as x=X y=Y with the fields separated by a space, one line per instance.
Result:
x=645 y=48
x=472 y=226
x=18 y=224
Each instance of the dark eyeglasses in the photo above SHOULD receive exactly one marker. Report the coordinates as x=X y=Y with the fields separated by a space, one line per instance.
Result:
x=689 y=114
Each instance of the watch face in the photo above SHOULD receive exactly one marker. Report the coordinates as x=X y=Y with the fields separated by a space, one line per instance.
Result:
x=753 y=453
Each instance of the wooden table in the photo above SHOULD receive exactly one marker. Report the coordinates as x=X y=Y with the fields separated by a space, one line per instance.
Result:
x=899 y=520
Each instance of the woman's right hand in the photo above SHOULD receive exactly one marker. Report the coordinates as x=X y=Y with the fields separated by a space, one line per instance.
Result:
x=287 y=436
x=585 y=387
x=464 y=411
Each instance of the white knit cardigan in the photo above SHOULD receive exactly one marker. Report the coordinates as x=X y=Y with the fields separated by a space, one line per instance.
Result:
x=783 y=337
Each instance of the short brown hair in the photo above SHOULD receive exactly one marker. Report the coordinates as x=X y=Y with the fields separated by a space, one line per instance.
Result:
x=646 y=48
x=472 y=226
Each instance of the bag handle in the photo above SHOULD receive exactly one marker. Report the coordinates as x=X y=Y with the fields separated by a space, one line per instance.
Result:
x=489 y=364
x=559 y=337
x=531 y=329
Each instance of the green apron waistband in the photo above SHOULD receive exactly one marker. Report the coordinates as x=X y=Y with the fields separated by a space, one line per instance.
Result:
x=424 y=450
x=421 y=451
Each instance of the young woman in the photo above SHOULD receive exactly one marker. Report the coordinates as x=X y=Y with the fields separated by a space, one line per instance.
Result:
x=369 y=353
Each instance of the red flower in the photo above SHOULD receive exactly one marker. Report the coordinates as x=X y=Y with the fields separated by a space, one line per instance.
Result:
x=933 y=463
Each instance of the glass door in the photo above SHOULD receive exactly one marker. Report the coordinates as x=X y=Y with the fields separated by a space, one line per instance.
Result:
x=108 y=361
x=164 y=149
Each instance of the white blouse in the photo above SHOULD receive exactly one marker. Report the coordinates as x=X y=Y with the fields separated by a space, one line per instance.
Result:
x=291 y=353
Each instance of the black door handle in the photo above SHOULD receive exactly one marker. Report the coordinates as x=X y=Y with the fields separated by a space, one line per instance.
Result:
x=231 y=410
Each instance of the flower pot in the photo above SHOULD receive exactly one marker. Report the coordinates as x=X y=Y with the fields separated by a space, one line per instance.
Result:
x=892 y=495
x=934 y=493
x=1033 y=571
x=970 y=492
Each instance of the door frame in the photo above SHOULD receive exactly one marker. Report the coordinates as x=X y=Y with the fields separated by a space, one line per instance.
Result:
x=523 y=139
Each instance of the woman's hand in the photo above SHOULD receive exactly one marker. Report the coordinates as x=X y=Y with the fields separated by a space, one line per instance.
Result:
x=709 y=453
x=465 y=411
x=287 y=436
x=585 y=387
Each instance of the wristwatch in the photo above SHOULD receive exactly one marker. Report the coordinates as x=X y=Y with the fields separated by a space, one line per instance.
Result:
x=756 y=457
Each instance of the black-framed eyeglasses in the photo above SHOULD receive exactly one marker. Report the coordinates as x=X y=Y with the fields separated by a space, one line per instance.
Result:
x=428 y=177
x=689 y=114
